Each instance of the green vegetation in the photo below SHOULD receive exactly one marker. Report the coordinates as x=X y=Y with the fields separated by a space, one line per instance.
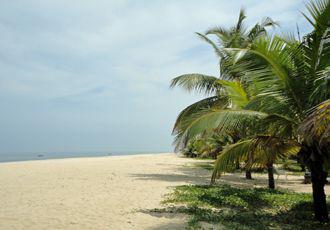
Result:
x=270 y=101
x=238 y=208
x=291 y=166
x=205 y=147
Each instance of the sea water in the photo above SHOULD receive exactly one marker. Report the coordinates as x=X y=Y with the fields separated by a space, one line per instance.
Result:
x=11 y=157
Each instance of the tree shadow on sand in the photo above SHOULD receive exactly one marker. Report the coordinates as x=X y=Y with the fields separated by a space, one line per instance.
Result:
x=200 y=173
x=183 y=173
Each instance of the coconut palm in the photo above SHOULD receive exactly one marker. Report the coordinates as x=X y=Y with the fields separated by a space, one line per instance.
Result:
x=284 y=79
x=236 y=36
x=207 y=145
x=260 y=151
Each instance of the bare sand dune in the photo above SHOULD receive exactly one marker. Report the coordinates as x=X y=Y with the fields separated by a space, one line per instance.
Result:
x=100 y=193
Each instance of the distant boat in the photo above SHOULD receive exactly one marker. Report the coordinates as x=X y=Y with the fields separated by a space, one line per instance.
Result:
x=40 y=155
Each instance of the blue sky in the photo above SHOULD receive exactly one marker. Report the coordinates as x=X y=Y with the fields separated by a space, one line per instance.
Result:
x=94 y=75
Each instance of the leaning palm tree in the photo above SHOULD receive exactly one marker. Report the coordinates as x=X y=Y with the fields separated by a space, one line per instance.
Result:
x=284 y=79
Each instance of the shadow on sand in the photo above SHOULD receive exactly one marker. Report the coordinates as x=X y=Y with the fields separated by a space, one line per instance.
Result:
x=186 y=174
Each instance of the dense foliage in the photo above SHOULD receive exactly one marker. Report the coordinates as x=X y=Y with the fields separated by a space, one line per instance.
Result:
x=271 y=99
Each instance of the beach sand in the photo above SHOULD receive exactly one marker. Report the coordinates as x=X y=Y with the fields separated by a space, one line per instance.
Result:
x=104 y=192
x=91 y=193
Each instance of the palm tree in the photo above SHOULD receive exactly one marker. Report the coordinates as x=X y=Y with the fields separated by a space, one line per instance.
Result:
x=208 y=145
x=260 y=151
x=225 y=94
x=284 y=80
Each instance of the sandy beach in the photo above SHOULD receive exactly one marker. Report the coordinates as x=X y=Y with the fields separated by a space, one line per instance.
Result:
x=104 y=192
x=90 y=193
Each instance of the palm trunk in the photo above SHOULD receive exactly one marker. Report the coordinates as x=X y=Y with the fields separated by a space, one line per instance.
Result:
x=318 y=182
x=301 y=163
x=248 y=175
x=303 y=168
x=314 y=161
x=235 y=140
x=214 y=154
x=237 y=165
x=271 y=181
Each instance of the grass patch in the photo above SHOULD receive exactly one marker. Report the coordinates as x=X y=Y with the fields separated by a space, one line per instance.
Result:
x=237 y=208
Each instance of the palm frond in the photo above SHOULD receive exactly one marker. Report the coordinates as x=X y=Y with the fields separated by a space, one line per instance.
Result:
x=316 y=127
x=279 y=125
x=222 y=33
x=222 y=120
x=319 y=11
x=321 y=90
x=268 y=22
x=257 y=152
x=217 y=50
x=316 y=43
x=276 y=75
x=199 y=82
x=214 y=102
x=241 y=18
x=267 y=149
x=236 y=93
x=231 y=154
x=260 y=29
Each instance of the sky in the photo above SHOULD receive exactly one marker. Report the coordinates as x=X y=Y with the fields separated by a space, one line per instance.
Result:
x=94 y=75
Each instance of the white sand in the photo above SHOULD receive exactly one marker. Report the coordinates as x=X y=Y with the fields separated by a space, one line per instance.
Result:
x=90 y=193
x=99 y=193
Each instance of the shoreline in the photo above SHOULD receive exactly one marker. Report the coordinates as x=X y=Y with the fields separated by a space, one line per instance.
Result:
x=84 y=157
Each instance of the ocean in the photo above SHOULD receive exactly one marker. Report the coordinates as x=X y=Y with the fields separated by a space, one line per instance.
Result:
x=12 y=157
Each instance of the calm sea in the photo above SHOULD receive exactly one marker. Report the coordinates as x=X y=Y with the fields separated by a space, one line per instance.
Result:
x=10 y=157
